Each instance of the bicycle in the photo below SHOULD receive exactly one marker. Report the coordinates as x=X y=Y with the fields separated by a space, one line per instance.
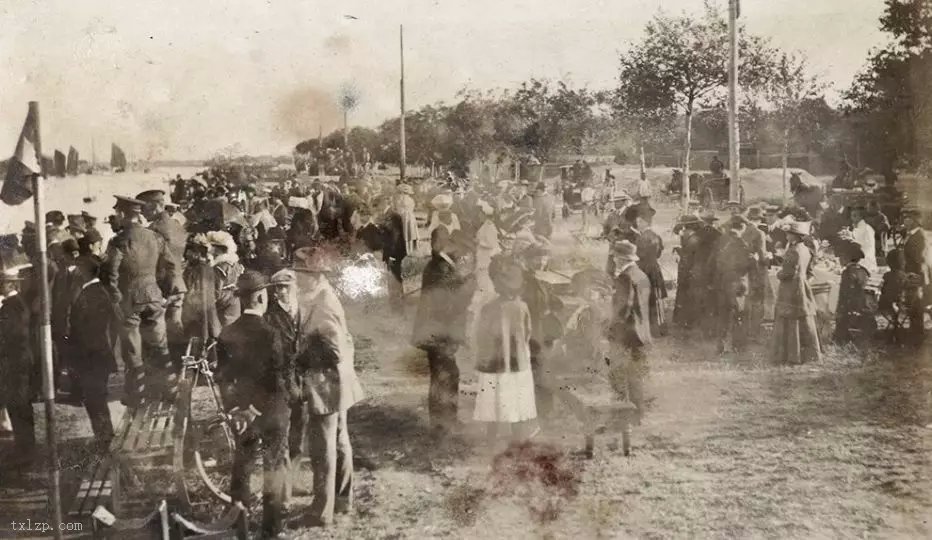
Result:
x=211 y=441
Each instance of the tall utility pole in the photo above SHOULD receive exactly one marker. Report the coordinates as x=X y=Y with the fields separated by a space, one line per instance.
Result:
x=734 y=154
x=401 y=44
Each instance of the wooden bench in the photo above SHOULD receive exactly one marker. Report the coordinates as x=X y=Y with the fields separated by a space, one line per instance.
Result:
x=144 y=433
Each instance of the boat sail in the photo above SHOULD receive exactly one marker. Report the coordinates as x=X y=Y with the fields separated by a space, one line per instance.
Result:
x=71 y=166
x=59 y=163
x=117 y=158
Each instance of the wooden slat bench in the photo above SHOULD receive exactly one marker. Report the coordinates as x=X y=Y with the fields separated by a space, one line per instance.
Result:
x=144 y=434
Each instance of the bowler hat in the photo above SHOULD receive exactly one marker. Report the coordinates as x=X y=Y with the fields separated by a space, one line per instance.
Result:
x=54 y=217
x=251 y=281
x=708 y=216
x=541 y=186
x=312 y=259
x=755 y=213
x=87 y=217
x=625 y=250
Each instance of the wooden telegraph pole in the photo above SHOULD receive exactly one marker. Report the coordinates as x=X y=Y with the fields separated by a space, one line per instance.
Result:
x=734 y=154
x=401 y=44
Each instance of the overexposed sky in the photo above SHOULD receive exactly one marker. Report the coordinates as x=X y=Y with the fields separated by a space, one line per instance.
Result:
x=186 y=78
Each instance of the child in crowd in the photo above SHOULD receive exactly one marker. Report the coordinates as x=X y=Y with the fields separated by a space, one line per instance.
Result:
x=503 y=356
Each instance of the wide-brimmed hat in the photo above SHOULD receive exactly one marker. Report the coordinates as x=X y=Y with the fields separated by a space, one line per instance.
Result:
x=87 y=217
x=802 y=228
x=222 y=239
x=251 y=281
x=12 y=274
x=625 y=250
x=285 y=276
x=708 y=216
x=686 y=221
x=198 y=241
x=911 y=211
x=313 y=259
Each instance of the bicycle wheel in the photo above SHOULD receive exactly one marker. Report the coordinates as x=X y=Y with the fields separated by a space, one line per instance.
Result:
x=213 y=448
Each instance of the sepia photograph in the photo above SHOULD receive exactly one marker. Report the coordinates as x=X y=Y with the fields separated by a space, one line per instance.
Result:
x=510 y=269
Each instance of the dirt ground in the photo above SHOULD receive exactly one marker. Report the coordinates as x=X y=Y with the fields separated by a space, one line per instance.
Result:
x=730 y=447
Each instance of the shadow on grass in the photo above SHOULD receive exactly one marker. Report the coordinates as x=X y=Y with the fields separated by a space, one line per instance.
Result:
x=395 y=436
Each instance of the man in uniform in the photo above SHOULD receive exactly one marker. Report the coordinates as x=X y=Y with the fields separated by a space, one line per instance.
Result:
x=130 y=272
x=254 y=375
x=175 y=239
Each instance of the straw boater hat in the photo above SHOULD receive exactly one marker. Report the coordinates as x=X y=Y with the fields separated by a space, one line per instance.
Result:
x=312 y=259
x=625 y=250
x=251 y=281
x=802 y=228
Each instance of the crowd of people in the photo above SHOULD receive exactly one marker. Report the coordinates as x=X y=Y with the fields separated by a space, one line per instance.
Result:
x=249 y=266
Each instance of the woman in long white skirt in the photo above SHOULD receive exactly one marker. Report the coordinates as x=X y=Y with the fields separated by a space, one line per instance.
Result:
x=505 y=393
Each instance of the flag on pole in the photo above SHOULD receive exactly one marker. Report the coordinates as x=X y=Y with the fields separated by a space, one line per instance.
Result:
x=17 y=187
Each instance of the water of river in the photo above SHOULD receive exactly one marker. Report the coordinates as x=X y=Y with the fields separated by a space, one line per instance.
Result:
x=67 y=194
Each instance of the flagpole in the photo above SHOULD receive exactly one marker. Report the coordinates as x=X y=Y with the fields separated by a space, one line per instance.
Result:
x=45 y=334
x=401 y=47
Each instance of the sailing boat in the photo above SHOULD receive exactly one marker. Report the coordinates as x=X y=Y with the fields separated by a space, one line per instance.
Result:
x=59 y=163
x=117 y=159
x=71 y=166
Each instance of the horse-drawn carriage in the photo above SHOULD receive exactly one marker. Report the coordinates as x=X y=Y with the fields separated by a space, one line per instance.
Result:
x=711 y=190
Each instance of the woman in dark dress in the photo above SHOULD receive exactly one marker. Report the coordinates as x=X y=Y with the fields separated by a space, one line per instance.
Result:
x=854 y=319
x=649 y=248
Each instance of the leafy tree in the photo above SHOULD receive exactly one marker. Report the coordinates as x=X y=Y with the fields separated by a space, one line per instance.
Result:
x=682 y=61
x=889 y=100
x=788 y=90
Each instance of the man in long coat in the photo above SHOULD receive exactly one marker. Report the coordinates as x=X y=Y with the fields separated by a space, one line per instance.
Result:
x=91 y=346
x=175 y=240
x=733 y=262
x=18 y=373
x=543 y=211
x=916 y=259
x=130 y=274
x=629 y=331
x=324 y=364
x=254 y=376
x=759 y=288
x=440 y=327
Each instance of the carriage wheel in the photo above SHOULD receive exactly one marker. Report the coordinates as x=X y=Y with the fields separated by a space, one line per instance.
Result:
x=213 y=457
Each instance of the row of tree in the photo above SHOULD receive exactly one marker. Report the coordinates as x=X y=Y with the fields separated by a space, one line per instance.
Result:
x=670 y=92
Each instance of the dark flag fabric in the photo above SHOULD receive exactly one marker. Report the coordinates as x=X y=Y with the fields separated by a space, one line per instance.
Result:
x=17 y=187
